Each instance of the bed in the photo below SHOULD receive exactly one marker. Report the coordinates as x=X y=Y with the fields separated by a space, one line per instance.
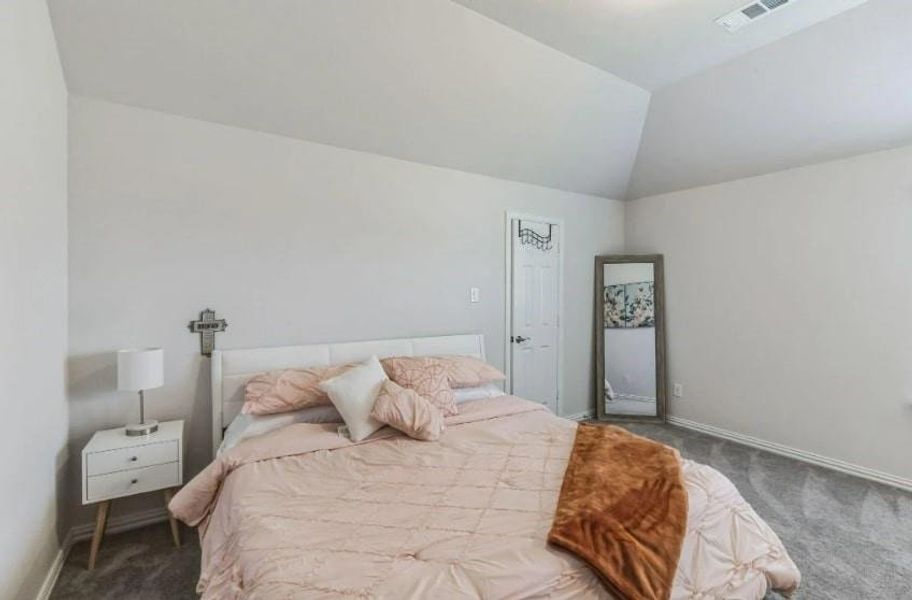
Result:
x=302 y=512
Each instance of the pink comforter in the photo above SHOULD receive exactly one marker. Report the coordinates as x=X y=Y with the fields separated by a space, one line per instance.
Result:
x=304 y=513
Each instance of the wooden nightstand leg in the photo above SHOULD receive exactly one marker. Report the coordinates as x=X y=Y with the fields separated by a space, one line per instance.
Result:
x=175 y=530
x=101 y=521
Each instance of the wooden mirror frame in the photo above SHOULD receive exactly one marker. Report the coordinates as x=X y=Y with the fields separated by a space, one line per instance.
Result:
x=661 y=381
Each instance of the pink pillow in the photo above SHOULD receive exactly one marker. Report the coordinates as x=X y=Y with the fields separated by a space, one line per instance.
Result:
x=427 y=376
x=408 y=412
x=468 y=371
x=291 y=389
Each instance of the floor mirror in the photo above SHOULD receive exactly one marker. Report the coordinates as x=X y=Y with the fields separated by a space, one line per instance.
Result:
x=630 y=338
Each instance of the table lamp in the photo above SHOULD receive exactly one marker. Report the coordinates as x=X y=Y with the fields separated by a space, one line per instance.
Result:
x=138 y=370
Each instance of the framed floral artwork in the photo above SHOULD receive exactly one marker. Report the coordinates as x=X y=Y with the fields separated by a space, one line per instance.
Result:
x=639 y=304
x=630 y=305
x=614 y=306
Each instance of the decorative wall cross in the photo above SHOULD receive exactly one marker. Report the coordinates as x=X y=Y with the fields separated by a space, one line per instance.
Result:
x=207 y=326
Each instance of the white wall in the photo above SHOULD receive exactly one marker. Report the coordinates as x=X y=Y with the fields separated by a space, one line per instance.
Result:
x=840 y=88
x=292 y=242
x=422 y=80
x=630 y=360
x=788 y=302
x=33 y=317
x=615 y=274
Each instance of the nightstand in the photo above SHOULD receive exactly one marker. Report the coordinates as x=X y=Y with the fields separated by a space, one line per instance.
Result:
x=116 y=466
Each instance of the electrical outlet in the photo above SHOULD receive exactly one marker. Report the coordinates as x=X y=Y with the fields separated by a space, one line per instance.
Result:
x=678 y=390
x=474 y=295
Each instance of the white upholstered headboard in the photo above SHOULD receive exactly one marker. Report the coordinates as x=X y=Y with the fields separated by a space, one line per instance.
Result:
x=232 y=368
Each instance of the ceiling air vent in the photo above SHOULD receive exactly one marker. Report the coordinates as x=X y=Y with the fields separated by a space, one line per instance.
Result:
x=748 y=14
x=754 y=11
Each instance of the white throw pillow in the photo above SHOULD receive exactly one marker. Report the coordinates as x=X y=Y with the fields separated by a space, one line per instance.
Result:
x=353 y=394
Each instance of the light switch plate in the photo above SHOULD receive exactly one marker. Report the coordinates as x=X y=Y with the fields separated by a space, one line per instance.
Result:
x=678 y=390
x=474 y=295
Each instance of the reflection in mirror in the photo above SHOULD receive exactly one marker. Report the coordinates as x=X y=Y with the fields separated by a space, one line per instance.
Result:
x=629 y=353
x=630 y=370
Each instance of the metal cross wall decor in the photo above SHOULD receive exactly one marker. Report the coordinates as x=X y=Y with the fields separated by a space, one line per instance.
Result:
x=207 y=326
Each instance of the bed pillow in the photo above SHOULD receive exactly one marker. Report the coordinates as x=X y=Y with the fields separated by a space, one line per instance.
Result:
x=407 y=411
x=427 y=376
x=288 y=390
x=244 y=426
x=468 y=371
x=353 y=394
x=488 y=390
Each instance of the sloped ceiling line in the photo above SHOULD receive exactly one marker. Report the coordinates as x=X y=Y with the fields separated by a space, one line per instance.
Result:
x=455 y=84
x=422 y=80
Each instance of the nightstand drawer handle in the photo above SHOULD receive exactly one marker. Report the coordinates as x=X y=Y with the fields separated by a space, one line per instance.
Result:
x=133 y=459
x=134 y=481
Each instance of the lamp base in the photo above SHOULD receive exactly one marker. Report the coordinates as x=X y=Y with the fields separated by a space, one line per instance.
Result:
x=147 y=428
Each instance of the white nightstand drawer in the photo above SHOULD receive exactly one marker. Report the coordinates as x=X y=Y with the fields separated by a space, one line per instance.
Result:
x=110 y=461
x=134 y=481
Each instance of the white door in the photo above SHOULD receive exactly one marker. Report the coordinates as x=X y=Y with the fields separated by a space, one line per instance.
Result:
x=535 y=310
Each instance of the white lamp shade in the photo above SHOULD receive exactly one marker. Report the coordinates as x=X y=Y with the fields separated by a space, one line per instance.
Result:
x=140 y=369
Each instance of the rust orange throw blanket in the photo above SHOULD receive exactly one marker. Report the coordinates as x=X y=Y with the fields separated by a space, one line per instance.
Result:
x=623 y=509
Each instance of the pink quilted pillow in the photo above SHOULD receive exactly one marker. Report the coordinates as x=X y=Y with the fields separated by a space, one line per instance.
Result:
x=468 y=371
x=408 y=412
x=291 y=389
x=427 y=376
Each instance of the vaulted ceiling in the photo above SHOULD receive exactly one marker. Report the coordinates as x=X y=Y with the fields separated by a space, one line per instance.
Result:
x=652 y=42
x=838 y=89
x=423 y=80
x=539 y=91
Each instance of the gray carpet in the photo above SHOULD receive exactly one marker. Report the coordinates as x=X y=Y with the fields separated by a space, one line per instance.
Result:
x=852 y=539
x=142 y=564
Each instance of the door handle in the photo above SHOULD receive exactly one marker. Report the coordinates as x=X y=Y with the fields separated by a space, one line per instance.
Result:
x=520 y=339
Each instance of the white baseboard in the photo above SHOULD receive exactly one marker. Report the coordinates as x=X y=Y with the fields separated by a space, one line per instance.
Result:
x=50 y=580
x=580 y=416
x=802 y=455
x=121 y=523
